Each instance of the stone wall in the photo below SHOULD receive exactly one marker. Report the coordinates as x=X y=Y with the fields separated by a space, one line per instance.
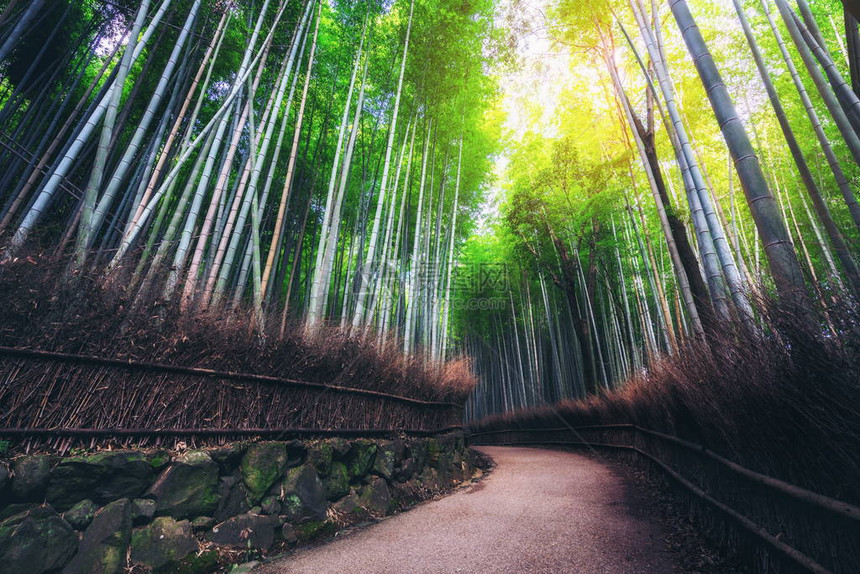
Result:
x=190 y=511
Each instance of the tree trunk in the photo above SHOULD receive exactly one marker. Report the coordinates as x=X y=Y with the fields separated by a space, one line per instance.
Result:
x=832 y=161
x=830 y=100
x=818 y=202
x=316 y=304
x=852 y=36
x=812 y=36
x=370 y=263
x=782 y=258
x=282 y=207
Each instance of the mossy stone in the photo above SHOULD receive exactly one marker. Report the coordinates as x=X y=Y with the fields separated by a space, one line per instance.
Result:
x=142 y=511
x=376 y=497
x=434 y=451
x=314 y=530
x=158 y=459
x=361 y=458
x=287 y=533
x=418 y=451
x=30 y=476
x=244 y=531
x=406 y=471
x=336 y=484
x=430 y=479
x=228 y=457
x=340 y=448
x=446 y=472
x=263 y=464
x=321 y=455
x=17 y=508
x=81 y=515
x=194 y=563
x=304 y=494
x=459 y=467
x=233 y=498
x=36 y=540
x=162 y=543
x=383 y=464
x=349 y=509
x=102 y=477
x=270 y=505
x=105 y=543
x=187 y=488
x=202 y=523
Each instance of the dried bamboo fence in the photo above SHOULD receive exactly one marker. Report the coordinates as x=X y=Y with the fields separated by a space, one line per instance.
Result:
x=777 y=526
x=55 y=401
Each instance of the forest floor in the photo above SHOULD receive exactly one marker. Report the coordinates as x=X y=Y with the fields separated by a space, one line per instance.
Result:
x=693 y=552
x=539 y=511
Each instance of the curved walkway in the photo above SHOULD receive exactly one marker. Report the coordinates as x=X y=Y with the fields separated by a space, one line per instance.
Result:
x=539 y=511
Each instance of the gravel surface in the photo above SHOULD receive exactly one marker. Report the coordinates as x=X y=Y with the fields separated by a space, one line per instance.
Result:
x=540 y=511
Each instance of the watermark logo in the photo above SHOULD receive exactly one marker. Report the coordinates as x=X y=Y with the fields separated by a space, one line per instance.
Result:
x=480 y=304
x=482 y=277
x=485 y=284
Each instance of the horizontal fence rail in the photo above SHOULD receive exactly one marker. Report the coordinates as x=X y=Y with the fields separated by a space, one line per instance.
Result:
x=280 y=433
x=211 y=373
x=805 y=530
x=58 y=400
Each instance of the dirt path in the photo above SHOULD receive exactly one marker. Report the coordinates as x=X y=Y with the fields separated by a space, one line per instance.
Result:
x=539 y=511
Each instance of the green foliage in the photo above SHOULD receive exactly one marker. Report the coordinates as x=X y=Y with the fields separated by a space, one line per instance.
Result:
x=523 y=88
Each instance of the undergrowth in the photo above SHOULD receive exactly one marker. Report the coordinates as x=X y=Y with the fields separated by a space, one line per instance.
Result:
x=784 y=402
x=43 y=306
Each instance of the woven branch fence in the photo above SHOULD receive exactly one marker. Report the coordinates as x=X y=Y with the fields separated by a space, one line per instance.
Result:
x=777 y=526
x=55 y=401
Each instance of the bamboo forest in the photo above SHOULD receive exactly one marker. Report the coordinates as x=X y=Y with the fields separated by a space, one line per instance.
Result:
x=564 y=200
x=564 y=191
x=333 y=222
